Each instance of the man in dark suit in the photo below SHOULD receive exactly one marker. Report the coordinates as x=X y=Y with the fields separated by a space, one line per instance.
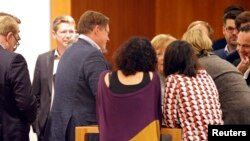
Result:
x=243 y=48
x=219 y=43
x=17 y=104
x=222 y=42
x=63 y=31
x=241 y=20
x=77 y=78
x=230 y=32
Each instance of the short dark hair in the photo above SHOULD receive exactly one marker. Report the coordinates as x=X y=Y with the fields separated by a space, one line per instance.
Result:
x=245 y=28
x=231 y=12
x=90 y=19
x=233 y=8
x=231 y=15
x=180 y=58
x=137 y=54
x=242 y=18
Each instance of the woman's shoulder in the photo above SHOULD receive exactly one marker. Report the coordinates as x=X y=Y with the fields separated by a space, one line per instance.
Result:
x=105 y=75
x=154 y=74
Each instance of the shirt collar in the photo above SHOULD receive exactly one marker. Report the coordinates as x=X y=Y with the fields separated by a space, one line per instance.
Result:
x=2 y=46
x=247 y=73
x=226 y=50
x=86 y=38
x=57 y=55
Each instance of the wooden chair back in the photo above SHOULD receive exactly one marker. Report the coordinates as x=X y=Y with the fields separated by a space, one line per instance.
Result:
x=81 y=131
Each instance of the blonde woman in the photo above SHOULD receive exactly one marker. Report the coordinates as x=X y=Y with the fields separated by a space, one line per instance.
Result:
x=160 y=43
x=202 y=25
x=233 y=91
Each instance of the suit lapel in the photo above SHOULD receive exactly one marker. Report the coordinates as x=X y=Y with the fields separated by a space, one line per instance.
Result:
x=50 y=63
x=248 y=80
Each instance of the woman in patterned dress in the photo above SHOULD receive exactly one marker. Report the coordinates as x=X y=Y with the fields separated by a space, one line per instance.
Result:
x=191 y=99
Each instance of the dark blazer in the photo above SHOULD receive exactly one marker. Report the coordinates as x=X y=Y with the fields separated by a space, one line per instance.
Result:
x=248 y=80
x=42 y=89
x=17 y=104
x=233 y=58
x=219 y=43
x=75 y=91
x=221 y=53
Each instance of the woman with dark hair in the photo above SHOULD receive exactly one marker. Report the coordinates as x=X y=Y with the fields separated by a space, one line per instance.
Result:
x=129 y=98
x=191 y=100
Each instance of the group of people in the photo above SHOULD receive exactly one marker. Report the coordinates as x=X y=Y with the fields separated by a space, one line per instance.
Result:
x=165 y=82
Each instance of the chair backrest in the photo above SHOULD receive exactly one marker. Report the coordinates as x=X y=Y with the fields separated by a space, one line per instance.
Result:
x=176 y=133
x=81 y=131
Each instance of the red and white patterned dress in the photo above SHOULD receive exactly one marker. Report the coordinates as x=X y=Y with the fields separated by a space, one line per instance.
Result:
x=192 y=103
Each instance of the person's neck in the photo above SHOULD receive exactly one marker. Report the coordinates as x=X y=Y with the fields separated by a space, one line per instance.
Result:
x=60 y=50
x=2 y=41
x=130 y=79
x=231 y=48
x=2 y=45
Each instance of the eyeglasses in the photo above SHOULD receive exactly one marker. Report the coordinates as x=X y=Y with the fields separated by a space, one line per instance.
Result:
x=231 y=29
x=17 y=42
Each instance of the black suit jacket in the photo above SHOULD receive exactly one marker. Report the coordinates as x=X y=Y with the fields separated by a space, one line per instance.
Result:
x=74 y=102
x=219 y=43
x=248 y=80
x=221 y=53
x=233 y=58
x=17 y=104
x=42 y=89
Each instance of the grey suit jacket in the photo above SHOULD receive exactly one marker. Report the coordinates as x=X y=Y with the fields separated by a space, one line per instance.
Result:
x=17 y=104
x=234 y=94
x=42 y=89
x=75 y=91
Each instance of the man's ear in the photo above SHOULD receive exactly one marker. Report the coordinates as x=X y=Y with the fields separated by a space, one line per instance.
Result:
x=96 y=29
x=7 y=42
x=224 y=30
x=53 y=34
x=8 y=36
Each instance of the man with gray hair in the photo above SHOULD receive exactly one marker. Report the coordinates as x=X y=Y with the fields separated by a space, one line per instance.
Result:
x=17 y=104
